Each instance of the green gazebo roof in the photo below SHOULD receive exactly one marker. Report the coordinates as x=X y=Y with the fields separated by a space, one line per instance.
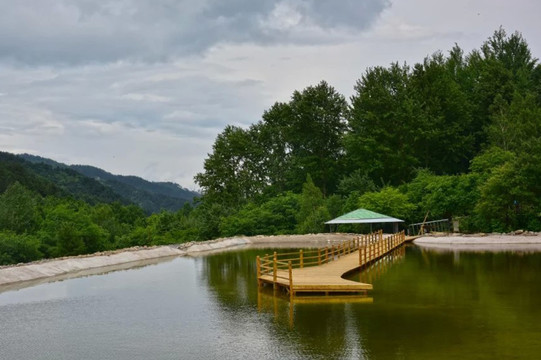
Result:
x=363 y=216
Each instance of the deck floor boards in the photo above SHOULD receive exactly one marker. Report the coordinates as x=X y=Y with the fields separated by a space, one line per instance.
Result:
x=327 y=277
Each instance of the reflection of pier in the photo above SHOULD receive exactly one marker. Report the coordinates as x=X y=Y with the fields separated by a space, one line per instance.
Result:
x=284 y=307
x=322 y=270
x=375 y=270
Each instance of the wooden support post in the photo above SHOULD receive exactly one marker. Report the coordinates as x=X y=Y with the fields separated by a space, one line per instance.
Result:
x=258 y=265
x=332 y=252
x=326 y=254
x=319 y=256
x=275 y=271
x=291 y=291
x=301 y=259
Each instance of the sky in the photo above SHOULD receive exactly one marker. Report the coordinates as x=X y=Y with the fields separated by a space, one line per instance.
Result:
x=143 y=87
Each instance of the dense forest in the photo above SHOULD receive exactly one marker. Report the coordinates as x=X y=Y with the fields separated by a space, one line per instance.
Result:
x=49 y=209
x=458 y=135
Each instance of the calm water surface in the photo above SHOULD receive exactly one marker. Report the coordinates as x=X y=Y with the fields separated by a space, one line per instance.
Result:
x=425 y=305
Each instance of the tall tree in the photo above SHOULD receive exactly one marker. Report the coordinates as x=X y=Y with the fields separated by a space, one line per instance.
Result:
x=18 y=209
x=383 y=125
x=315 y=131
x=232 y=172
x=442 y=142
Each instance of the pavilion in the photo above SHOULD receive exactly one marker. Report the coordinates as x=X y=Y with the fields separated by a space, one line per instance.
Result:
x=363 y=216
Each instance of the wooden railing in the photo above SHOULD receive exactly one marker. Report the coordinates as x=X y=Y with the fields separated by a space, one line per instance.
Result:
x=370 y=247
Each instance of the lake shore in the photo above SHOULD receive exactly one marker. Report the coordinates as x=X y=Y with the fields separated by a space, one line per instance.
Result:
x=61 y=268
x=22 y=275
x=482 y=242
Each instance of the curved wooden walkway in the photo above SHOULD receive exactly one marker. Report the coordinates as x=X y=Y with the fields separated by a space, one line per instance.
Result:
x=329 y=265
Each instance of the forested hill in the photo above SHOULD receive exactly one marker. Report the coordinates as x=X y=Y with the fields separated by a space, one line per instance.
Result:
x=90 y=184
x=151 y=196
x=46 y=179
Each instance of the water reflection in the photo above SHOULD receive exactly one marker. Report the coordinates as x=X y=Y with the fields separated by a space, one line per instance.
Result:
x=315 y=326
x=424 y=305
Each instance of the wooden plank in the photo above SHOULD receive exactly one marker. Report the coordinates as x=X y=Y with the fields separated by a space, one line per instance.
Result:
x=327 y=277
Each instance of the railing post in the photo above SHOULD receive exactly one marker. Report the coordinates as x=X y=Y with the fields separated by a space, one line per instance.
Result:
x=258 y=265
x=301 y=259
x=332 y=252
x=326 y=254
x=275 y=270
x=360 y=256
x=291 y=292
x=319 y=256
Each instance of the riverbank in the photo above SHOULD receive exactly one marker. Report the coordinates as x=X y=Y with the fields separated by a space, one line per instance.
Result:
x=22 y=275
x=523 y=241
x=61 y=268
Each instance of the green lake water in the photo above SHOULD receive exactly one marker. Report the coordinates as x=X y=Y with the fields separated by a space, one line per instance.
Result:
x=425 y=305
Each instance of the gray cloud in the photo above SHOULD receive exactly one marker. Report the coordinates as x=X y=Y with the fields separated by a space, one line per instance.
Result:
x=144 y=86
x=87 y=31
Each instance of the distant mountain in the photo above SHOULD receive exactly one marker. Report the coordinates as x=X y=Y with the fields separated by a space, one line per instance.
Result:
x=14 y=168
x=151 y=196
x=57 y=179
x=93 y=184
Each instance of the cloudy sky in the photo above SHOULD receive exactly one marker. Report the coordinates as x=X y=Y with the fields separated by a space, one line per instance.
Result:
x=143 y=87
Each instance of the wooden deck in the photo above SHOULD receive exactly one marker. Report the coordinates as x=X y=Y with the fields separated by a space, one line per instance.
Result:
x=322 y=278
x=329 y=265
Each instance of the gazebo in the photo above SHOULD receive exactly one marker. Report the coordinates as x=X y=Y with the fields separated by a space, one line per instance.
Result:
x=363 y=216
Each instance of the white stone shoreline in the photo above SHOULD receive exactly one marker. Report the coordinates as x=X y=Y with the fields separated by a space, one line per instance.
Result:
x=22 y=275
x=60 y=268
x=482 y=242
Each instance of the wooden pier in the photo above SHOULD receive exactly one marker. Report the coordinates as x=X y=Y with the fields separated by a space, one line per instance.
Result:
x=321 y=270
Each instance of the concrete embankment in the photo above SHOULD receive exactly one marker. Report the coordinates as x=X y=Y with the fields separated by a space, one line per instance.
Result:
x=482 y=242
x=54 y=269
x=57 y=267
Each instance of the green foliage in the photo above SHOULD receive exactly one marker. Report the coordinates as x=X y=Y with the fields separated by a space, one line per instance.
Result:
x=389 y=201
x=313 y=212
x=293 y=139
x=442 y=196
x=18 y=209
x=18 y=248
x=356 y=181
x=88 y=183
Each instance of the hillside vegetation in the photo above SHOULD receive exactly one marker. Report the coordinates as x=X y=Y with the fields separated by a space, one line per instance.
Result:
x=95 y=185
x=49 y=209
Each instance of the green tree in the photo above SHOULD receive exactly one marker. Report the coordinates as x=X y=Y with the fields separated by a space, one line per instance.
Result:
x=231 y=174
x=18 y=248
x=19 y=209
x=356 y=181
x=442 y=141
x=389 y=201
x=67 y=229
x=315 y=131
x=312 y=213
x=382 y=122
